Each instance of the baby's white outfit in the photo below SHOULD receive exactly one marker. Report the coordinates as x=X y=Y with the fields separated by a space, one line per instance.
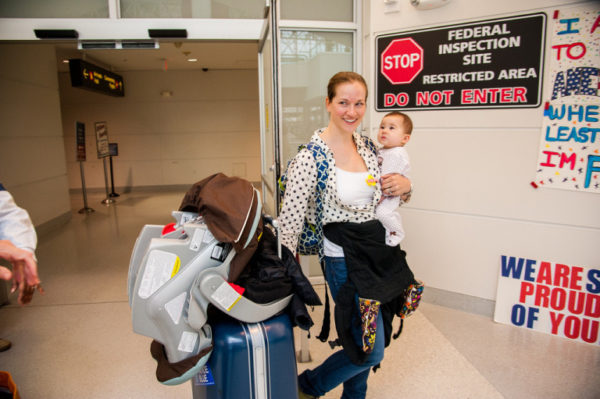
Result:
x=392 y=160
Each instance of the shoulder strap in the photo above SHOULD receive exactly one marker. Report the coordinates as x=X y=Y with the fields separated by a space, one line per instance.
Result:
x=370 y=145
x=322 y=173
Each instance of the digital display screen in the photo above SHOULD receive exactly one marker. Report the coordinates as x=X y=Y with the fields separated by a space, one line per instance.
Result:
x=92 y=77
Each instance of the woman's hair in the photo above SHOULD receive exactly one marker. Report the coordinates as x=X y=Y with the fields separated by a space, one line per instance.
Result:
x=344 y=77
x=406 y=121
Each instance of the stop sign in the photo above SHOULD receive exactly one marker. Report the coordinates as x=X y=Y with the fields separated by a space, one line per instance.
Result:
x=402 y=61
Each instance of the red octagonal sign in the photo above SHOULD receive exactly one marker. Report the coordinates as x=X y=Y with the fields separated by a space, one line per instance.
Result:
x=402 y=61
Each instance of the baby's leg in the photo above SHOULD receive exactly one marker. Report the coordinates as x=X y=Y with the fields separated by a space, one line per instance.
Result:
x=388 y=216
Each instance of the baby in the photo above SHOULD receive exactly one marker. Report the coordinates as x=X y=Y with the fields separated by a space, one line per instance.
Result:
x=394 y=133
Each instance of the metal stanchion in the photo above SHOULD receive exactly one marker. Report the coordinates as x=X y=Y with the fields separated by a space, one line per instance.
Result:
x=112 y=181
x=107 y=200
x=86 y=208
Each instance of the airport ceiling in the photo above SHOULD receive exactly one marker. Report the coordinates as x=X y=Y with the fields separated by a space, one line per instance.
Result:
x=170 y=56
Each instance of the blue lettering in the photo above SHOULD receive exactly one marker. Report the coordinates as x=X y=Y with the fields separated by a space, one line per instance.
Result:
x=578 y=81
x=579 y=113
x=511 y=268
x=593 y=286
x=532 y=316
x=552 y=112
x=579 y=135
x=562 y=135
x=591 y=168
x=569 y=22
x=529 y=270
x=585 y=87
x=517 y=316
x=590 y=113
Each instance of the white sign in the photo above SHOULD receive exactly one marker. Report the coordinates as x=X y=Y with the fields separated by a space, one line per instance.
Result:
x=554 y=298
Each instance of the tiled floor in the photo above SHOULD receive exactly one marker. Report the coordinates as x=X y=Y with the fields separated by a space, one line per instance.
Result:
x=77 y=342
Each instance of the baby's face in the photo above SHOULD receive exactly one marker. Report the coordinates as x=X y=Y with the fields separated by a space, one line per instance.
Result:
x=392 y=132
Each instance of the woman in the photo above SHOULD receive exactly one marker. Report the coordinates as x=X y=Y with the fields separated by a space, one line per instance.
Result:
x=350 y=199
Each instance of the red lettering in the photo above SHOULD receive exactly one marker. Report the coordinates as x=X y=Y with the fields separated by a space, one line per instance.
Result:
x=545 y=274
x=520 y=95
x=541 y=295
x=466 y=96
x=526 y=289
x=549 y=155
x=480 y=96
x=555 y=319
x=589 y=331
x=558 y=299
x=592 y=305
x=493 y=95
x=388 y=99
x=561 y=276
x=596 y=24
x=570 y=160
x=402 y=99
x=576 y=302
x=569 y=52
x=506 y=95
x=576 y=276
x=572 y=327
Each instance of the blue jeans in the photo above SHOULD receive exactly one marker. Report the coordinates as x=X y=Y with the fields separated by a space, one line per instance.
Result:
x=338 y=368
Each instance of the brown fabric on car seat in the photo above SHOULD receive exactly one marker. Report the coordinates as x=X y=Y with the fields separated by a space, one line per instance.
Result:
x=223 y=202
x=166 y=371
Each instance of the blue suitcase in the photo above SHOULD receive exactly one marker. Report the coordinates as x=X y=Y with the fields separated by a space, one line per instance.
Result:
x=250 y=361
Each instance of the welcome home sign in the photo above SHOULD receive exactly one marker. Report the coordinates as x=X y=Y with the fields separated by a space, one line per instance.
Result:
x=554 y=298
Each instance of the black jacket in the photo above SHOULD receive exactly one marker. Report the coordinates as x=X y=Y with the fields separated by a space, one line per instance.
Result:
x=375 y=271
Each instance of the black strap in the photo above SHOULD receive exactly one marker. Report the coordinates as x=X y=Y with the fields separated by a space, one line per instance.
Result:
x=326 y=327
x=397 y=334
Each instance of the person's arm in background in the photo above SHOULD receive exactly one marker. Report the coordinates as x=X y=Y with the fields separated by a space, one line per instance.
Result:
x=17 y=245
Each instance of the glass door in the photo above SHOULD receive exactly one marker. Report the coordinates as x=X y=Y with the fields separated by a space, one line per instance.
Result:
x=268 y=92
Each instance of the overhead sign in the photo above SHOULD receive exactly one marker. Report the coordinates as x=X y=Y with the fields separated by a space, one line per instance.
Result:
x=555 y=298
x=485 y=64
x=90 y=76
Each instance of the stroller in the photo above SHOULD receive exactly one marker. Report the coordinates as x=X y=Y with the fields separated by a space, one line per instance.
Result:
x=177 y=270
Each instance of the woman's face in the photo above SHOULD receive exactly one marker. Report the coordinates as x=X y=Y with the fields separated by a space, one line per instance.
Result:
x=348 y=107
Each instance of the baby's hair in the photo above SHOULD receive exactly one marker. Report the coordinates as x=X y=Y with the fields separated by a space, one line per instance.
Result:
x=406 y=121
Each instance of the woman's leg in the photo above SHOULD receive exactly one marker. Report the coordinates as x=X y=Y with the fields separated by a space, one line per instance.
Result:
x=338 y=368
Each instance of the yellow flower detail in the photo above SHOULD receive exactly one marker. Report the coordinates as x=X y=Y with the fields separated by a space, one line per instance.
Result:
x=371 y=181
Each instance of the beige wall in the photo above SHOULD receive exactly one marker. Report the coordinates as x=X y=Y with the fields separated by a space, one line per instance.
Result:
x=210 y=124
x=472 y=169
x=32 y=159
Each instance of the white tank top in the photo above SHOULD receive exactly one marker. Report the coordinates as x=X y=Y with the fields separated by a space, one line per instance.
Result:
x=352 y=189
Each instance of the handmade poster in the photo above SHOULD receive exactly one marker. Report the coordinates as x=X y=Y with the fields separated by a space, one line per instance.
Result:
x=561 y=299
x=569 y=154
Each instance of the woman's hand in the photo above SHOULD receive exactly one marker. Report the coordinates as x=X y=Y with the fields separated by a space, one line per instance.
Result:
x=394 y=184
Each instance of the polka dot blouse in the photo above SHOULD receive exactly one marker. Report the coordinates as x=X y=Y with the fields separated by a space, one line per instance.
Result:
x=300 y=192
